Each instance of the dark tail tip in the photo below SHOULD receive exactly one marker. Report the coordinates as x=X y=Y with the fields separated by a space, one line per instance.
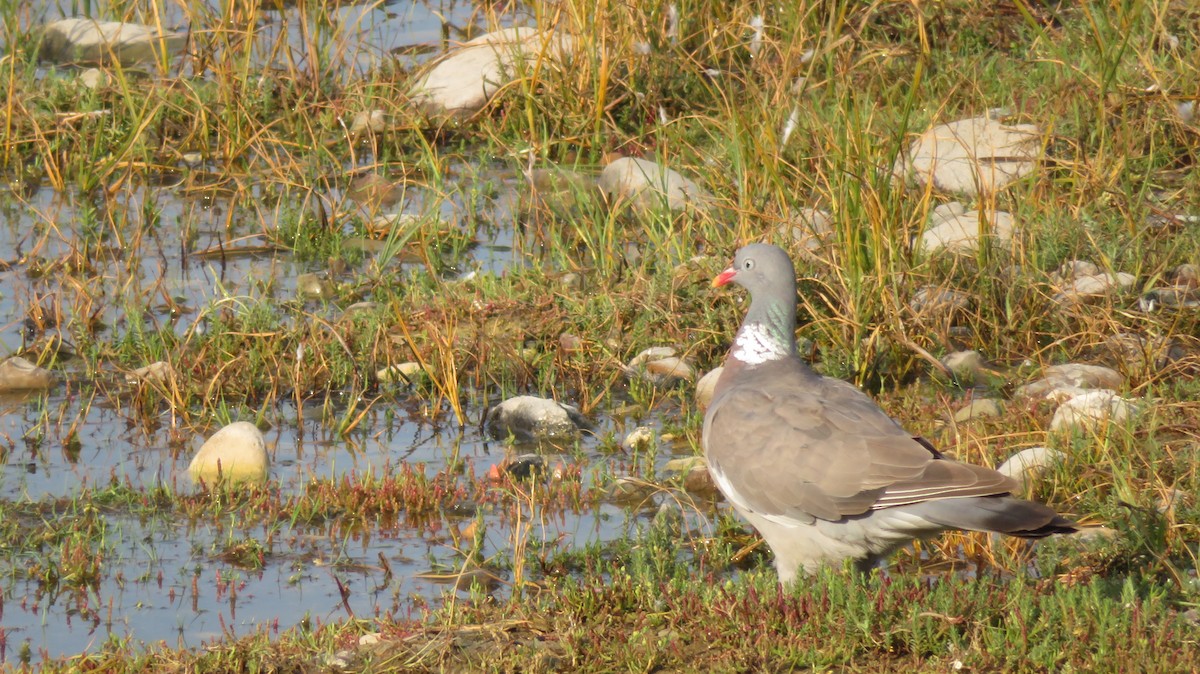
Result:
x=1057 y=525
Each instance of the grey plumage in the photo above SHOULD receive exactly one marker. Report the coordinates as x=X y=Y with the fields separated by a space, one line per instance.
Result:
x=816 y=466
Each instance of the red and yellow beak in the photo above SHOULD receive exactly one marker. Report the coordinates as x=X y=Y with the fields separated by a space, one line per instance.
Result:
x=724 y=277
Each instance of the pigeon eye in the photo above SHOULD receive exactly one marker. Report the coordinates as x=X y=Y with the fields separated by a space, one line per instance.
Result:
x=748 y=264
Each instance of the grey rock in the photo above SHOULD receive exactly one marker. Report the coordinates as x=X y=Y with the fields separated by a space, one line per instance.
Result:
x=1073 y=269
x=363 y=307
x=82 y=40
x=559 y=190
x=1085 y=289
x=1186 y=111
x=370 y=639
x=408 y=373
x=526 y=467
x=684 y=465
x=1167 y=502
x=694 y=475
x=979 y=409
x=629 y=491
x=1060 y=382
x=811 y=229
x=158 y=372
x=660 y=366
x=94 y=78
x=972 y=156
x=463 y=81
x=1186 y=275
x=639 y=439
x=533 y=419
x=1170 y=298
x=1080 y=282
x=314 y=286
x=968 y=365
x=939 y=301
x=1139 y=352
x=707 y=386
x=1091 y=410
x=18 y=374
x=368 y=122
x=954 y=230
x=1095 y=534
x=571 y=281
x=646 y=186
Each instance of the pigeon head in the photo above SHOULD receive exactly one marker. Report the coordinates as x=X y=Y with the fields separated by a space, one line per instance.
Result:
x=760 y=268
x=768 y=333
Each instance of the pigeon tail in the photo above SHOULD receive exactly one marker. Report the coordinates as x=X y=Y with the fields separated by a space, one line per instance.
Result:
x=999 y=514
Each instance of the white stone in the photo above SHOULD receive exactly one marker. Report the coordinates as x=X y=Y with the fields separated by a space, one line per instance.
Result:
x=1136 y=352
x=18 y=374
x=972 y=156
x=659 y=365
x=939 y=301
x=84 y=40
x=696 y=479
x=368 y=122
x=370 y=639
x=1060 y=382
x=706 y=387
x=464 y=80
x=1092 y=534
x=1090 y=409
x=1170 y=297
x=1186 y=111
x=94 y=78
x=685 y=464
x=978 y=409
x=1073 y=269
x=363 y=307
x=652 y=353
x=531 y=419
x=1087 y=288
x=236 y=453
x=1186 y=275
x=1030 y=463
x=315 y=286
x=961 y=232
x=965 y=363
x=633 y=492
x=400 y=372
x=810 y=228
x=158 y=372
x=646 y=186
x=639 y=439
x=559 y=190
x=946 y=212
x=669 y=369
x=1081 y=281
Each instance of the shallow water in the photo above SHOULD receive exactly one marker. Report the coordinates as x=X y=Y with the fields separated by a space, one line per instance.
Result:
x=166 y=581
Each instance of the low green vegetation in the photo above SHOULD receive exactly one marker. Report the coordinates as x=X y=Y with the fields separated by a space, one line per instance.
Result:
x=222 y=156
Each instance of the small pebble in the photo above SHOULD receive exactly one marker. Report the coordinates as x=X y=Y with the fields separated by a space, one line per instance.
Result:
x=639 y=439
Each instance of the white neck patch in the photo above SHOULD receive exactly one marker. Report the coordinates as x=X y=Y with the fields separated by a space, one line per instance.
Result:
x=754 y=345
